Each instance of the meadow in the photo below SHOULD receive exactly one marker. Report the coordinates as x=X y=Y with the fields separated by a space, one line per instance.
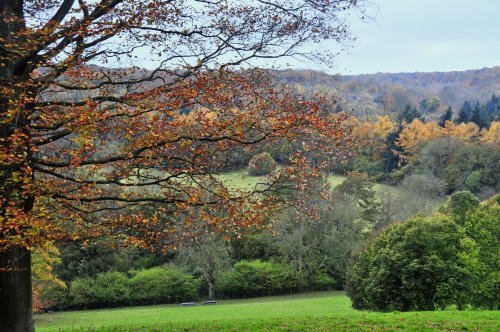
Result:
x=242 y=181
x=319 y=311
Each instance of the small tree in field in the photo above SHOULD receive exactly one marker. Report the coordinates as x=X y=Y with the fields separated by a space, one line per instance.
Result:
x=261 y=164
x=88 y=151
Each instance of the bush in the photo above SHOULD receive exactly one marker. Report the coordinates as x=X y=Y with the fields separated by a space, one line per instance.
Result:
x=107 y=289
x=54 y=296
x=254 y=278
x=156 y=285
x=81 y=292
x=163 y=285
x=422 y=264
x=261 y=164
x=111 y=289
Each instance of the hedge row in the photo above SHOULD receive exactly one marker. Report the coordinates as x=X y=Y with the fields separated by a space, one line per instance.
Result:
x=170 y=285
x=257 y=278
x=113 y=289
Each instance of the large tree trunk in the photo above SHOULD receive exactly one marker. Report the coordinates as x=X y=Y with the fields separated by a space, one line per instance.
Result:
x=15 y=291
x=15 y=261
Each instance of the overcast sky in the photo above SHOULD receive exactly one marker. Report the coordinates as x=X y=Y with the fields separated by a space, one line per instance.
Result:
x=424 y=35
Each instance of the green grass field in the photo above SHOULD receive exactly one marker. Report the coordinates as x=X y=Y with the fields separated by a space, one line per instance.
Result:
x=242 y=181
x=321 y=311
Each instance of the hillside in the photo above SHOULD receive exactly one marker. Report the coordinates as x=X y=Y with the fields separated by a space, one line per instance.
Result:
x=374 y=94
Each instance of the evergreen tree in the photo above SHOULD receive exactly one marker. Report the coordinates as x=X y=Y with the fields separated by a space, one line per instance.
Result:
x=409 y=114
x=465 y=112
x=389 y=156
x=446 y=116
x=492 y=109
x=477 y=117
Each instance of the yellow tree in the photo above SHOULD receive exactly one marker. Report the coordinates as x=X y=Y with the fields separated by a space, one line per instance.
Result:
x=491 y=135
x=371 y=137
x=468 y=132
x=88 y=151
x=414 y=135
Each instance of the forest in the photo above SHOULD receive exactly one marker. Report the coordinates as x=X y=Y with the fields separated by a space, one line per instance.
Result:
x=401 y=165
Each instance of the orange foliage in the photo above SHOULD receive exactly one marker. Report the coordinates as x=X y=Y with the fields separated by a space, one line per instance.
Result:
x=88 y=151
x=466 y=131
x=43 y=259
x=417 y=133
x=371 y=137
x=491 y=135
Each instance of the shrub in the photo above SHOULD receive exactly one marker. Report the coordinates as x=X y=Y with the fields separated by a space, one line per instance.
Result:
x=111 y=289
x=107 y=289
x=422 y=264
x=54 y=296
x=163 y=285
x=155 y=285
x=81 y=292
x=254 y=278
x=261 y=164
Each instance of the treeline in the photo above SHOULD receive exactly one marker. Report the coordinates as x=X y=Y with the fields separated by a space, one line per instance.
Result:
x=454 y=155
x=366 y=96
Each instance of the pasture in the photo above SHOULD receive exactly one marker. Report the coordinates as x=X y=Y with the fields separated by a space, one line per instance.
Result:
x=319 y=311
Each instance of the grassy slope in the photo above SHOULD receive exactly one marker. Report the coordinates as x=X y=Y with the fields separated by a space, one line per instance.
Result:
x=322 y=311
x=242 y=181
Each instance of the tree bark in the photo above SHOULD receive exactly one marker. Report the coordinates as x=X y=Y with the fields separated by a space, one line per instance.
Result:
x=211 y=291
x=15 y=291
x=15 y=261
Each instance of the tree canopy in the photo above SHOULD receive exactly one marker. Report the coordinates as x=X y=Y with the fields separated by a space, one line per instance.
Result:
x=93 y=145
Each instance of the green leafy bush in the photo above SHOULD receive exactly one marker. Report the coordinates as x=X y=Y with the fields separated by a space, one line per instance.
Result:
x=261 y=164
x=422 y=264
x=81 y=292
x=155 y=285
x=255 y=278
x=111 y=289
x=163 y=285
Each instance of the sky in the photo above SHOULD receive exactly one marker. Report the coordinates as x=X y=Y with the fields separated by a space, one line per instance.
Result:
x=422 y=35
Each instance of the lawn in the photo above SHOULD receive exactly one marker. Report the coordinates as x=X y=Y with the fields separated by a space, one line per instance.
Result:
x=321 y=311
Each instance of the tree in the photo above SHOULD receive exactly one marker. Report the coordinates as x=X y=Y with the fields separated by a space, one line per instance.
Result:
x=421 y=264
x=88 y=151
x=414 y=135
x=464 y=113
x=459 y=204
x=445 y=117
x=483 y=225
x=409 y=114
x=430 y=105
x=477 y=117
x=261 y=164
x=491 y=135
x=209 y=257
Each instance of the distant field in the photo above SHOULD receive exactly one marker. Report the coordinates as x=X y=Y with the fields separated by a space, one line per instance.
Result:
x=242 y=181
x=321 y=311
